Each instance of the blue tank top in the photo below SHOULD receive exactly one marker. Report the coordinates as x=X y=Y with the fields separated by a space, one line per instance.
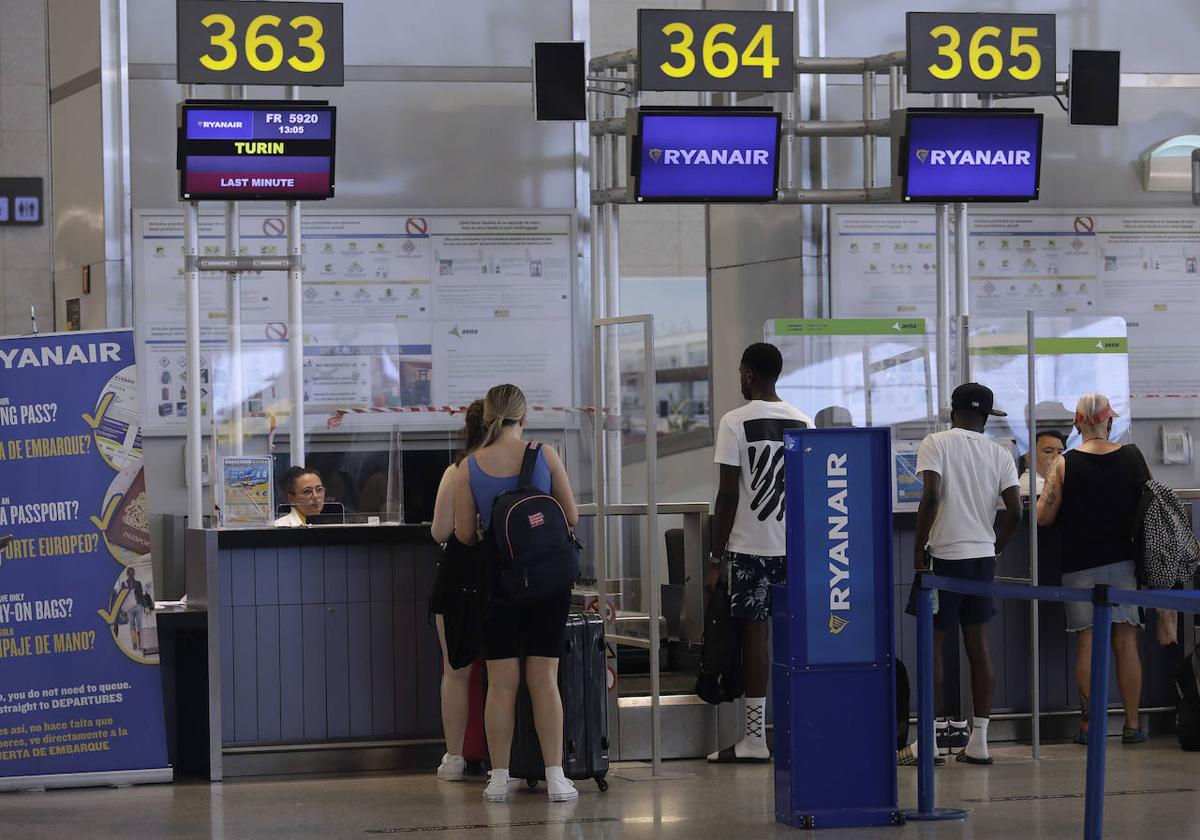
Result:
x=485 y=488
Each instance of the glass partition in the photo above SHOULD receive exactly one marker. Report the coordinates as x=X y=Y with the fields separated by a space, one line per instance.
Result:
x=1073 y=356
x=864 y=372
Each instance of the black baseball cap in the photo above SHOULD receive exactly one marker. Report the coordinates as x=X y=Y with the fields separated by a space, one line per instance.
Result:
x=976 y=397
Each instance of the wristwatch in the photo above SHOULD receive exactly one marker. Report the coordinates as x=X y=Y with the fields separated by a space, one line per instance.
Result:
x=715 y=559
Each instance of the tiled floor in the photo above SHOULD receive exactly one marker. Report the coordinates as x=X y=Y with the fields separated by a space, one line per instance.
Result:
x=1154 y=792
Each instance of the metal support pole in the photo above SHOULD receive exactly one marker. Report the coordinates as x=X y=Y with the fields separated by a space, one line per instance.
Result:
x=233 y=328
x=194 y=402
x=652 y=540
x=295 y=322
x=962 y=276
x=1035 y=689
x=295 y=334
x=942 y=346
x=868 y=99
x=895 y=91
x=927 y=749
x=1093 y=814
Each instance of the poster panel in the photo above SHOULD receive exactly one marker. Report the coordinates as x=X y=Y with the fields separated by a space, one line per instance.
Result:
x=79 y=649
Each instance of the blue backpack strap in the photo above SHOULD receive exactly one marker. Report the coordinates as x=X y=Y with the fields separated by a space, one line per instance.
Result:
x=528 y=463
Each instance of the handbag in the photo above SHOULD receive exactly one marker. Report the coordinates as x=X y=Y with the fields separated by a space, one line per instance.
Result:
x=462 y=601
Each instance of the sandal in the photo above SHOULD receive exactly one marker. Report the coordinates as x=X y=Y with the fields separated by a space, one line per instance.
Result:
x=729 y=756
x=966 y=759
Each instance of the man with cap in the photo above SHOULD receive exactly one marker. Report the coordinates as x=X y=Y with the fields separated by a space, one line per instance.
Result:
x=964 y=473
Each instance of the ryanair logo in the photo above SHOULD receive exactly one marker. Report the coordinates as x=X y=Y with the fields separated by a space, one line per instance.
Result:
x=839 y=542
x=710 y=157
x=974 y=157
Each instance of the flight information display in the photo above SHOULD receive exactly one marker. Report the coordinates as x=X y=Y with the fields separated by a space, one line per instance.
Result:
x=256 y=151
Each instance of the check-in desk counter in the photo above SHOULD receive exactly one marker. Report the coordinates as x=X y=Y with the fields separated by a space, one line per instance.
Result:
x=317 y=651
x=1010 y=635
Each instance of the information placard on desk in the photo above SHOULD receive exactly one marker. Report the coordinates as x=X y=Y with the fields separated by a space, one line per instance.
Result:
x=256 y=150
x=979 y=53
x=970 y=155
x=704 y=155
x=715 y=50
x=264 y=43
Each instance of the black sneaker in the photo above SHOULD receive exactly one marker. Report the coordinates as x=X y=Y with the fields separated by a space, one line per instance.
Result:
x=958 y=735
x=941 y=730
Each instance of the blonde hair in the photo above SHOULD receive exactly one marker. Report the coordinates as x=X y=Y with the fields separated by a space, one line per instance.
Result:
x=503 y=406
x=1093 y=411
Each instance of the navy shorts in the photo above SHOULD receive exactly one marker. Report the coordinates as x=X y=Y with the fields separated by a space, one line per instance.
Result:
x=750 y=581
x=953 y=609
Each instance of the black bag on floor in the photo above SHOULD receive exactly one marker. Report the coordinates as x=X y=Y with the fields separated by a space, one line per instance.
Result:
x=1187 y=711
x=720 y=677
x=903 y=705
x=459 y=596
x=583 y=684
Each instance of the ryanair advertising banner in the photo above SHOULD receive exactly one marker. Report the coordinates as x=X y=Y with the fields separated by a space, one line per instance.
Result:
x=81 y=697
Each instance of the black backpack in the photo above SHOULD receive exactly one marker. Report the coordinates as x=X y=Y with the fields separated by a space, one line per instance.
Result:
x=720 y=677
x=1187 y=712
x=535 y=551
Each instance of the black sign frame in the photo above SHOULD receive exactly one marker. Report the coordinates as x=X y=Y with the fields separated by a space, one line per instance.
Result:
x=923 y=50
x=13 y=190
x=654 y=48
x=182 y=145
x=194 y=40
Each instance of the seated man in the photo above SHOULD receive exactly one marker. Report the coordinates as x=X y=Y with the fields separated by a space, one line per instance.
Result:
x=306 y=495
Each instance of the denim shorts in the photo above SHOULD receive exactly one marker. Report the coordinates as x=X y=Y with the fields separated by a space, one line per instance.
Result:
x=1118 y=576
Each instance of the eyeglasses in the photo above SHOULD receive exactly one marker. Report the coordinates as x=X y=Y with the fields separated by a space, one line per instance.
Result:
x=311 y=491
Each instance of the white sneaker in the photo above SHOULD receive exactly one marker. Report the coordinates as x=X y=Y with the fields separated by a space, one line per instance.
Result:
x=452 y=768
x=497 y=787
x=558 y=787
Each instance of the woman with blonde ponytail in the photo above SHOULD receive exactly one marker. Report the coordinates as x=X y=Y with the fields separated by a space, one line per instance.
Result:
x=531 y=632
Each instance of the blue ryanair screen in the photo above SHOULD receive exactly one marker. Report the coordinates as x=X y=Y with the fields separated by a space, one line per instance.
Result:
x=985 y=155
x=703 y=155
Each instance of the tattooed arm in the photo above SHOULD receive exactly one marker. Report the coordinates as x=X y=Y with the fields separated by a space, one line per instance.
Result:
x=1051 y=499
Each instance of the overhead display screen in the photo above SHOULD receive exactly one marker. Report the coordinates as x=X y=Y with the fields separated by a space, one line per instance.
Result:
x=256 y=150
x=971 y=155
x=705 y=155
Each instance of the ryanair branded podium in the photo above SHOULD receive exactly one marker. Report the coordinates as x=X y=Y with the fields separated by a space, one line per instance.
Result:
x=833 y=672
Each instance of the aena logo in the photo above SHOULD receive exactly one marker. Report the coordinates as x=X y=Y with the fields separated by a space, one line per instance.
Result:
x=974 y=157
x=710 y=157
x=459 y=333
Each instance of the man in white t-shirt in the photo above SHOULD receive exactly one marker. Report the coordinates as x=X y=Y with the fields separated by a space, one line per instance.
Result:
x=964 y=473
x=749 y=534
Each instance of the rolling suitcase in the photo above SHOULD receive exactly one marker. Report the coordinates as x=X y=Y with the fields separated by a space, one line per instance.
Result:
x=583 y=684
x=474 y=742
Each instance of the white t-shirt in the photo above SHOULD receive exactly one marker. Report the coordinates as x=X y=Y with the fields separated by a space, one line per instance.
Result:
x=975 y=470
x=751 y=438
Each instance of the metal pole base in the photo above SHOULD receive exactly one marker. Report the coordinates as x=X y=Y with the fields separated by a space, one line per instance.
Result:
x=936 y=815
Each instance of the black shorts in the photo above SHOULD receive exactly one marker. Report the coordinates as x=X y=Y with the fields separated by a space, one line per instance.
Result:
x=512 y=630
x=953 y=609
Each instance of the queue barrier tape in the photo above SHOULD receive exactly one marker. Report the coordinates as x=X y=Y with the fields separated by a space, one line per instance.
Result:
x=1102 y=598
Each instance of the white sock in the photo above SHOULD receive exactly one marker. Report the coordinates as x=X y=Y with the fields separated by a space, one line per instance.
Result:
x=754 y=743
x=977 y=746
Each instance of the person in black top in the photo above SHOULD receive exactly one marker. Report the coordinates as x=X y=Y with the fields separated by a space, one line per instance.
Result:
x=1092 y=493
